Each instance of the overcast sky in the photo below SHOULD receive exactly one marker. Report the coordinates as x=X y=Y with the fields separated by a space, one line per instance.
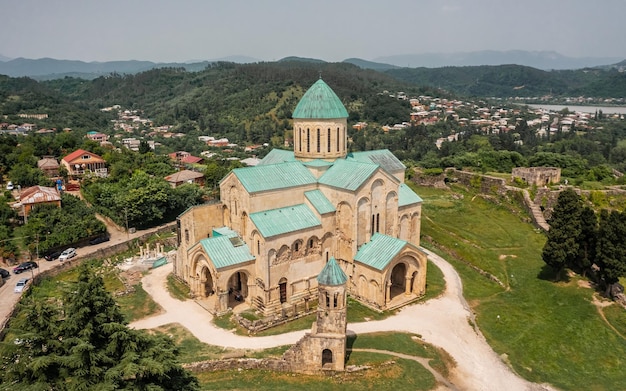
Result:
x=331 y=30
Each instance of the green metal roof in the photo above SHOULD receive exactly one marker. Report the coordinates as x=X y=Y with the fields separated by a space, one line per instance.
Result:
x=379 y=251
x=406 y=196
x=332 y=274
x=317 y=163
x=274 y=176
x=383 y=157
x=319 y=201
x=224 y=231
x=224 y=251
x=320 y=101
x=283 y=220
x=348 y=175
x=277 y=156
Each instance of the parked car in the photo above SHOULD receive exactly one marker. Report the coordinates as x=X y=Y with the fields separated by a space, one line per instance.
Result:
x=67 y=254
x=21 y=285
x=4 y=273
x=10 y=186
x=22 y=267
x=99 y=239
x=52 y=256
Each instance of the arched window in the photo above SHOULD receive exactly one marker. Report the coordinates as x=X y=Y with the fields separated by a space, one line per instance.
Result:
x=300 y=138
x=328 y=140
x=308 y=140
x=319 y=140
x=186 y=235
x=335 y=300
x=258 y=247
x=310 y=243
x=338 y=140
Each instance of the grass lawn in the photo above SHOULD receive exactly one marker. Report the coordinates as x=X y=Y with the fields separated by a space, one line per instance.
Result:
x=137 y=305
x=549 y=332
x=387 y=373
x=177 y=289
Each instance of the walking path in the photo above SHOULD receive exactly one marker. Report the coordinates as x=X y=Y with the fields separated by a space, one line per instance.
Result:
x=443 y=322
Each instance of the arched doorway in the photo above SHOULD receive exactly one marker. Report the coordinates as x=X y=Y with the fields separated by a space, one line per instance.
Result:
x=282 y=290
x=327 y=357
x=237 y=288
x=398 y=280
x=207 y=282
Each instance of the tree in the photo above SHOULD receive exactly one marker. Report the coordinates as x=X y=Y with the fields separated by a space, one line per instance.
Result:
x=85 y=344
x=611 y=249
x=562 y=248
x=587 y=240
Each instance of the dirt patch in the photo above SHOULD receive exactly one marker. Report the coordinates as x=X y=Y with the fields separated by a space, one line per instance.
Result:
x=601 y=303
x=502 y=257
x=584 y=284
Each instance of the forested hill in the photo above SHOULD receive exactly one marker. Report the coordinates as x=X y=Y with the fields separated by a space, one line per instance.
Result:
x=515 y=80
x=222 y=99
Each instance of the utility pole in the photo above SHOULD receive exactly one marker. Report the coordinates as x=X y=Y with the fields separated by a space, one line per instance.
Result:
x=126 y=213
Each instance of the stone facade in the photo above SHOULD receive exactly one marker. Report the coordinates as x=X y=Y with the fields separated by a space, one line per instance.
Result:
x=326 y=204
x=539 y=176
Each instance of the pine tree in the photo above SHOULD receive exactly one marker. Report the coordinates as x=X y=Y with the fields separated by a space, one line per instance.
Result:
x=611 y=248
x=562 y=248
x=587 y=241
x=86 y=345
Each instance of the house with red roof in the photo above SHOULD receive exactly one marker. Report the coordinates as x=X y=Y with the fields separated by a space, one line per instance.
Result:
x=38 y=195
x=81 y=162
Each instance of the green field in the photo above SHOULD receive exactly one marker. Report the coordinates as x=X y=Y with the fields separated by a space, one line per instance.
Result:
x=549 y=332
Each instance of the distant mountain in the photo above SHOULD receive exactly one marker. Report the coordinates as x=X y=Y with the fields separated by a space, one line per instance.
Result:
x=4 y=58
x=545 y=60
x=49 y=68
x=377 y=66
x=302 y=59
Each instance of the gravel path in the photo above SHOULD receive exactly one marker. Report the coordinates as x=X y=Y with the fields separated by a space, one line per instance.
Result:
x=443 y=322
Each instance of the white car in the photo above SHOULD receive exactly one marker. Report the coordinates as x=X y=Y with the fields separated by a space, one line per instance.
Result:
x=10 y=186
x=67 y=254
x=21 y=285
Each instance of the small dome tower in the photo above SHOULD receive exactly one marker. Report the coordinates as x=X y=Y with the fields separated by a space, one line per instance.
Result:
x=320 y=124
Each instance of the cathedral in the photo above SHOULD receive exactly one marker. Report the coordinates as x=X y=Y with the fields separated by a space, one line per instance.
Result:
x=277 y=224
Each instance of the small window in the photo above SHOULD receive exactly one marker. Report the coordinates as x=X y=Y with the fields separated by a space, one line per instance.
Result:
x=186 y=235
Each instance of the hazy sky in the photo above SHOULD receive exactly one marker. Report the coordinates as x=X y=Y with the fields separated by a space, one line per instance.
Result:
x=332 y=30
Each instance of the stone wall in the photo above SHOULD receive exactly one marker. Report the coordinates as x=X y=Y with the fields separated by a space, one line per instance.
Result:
x=272 y=364
x=486 y=184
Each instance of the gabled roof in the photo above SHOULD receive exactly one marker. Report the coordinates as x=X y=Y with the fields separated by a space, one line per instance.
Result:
x=39 y=194
x=191 y=159
x=406 y=196
x=283 y=220
x=183 y=176
x=320 y=101
x=225 y=251
x=277 y=156
x=319 y=201
x=47 y=163
x=379 y=251
x=332 y=274
x=78 y=153
x=346 y=174
x=274 y=176
x=383 y=157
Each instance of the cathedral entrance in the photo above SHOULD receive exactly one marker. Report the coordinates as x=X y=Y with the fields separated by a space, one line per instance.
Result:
x=237 y=289
x=207 y=282
x=398 y=281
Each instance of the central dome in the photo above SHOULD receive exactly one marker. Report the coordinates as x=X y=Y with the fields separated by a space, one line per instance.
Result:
x=321 y=102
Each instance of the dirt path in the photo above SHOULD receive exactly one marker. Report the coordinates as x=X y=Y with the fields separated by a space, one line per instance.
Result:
x=443 y=322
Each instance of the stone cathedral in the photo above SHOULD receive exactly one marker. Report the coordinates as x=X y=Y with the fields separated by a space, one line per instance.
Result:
x=278 y=224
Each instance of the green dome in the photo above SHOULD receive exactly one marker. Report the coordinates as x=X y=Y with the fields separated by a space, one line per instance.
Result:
x=320 y=101
x=332 y=274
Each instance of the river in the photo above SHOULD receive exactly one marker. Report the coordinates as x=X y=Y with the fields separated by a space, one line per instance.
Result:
x=584 y=109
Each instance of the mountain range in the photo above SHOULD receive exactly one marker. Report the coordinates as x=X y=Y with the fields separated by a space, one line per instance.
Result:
x=48 y=68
